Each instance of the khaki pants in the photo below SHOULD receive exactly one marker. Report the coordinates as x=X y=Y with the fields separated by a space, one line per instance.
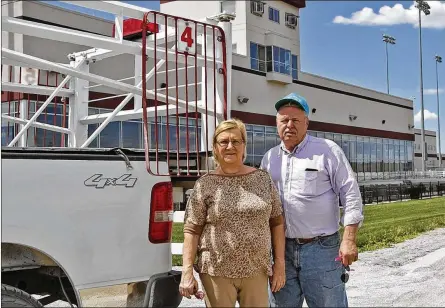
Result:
x=224 y=292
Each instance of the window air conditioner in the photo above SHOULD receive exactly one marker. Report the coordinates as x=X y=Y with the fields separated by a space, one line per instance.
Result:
x=257 y=8
x=291 y=20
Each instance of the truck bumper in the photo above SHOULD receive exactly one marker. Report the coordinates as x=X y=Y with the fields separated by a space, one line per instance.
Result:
x=163 y=290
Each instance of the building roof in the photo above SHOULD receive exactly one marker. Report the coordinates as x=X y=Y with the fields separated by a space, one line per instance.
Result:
x=297 y=3
x=431 y=133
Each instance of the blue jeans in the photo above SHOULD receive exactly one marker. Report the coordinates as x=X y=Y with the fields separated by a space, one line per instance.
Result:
x=312 y=274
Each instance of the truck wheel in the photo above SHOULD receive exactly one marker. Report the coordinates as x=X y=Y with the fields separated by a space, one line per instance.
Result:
x=13 y=297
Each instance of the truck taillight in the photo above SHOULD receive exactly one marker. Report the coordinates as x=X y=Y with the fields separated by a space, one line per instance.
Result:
x=161 y=213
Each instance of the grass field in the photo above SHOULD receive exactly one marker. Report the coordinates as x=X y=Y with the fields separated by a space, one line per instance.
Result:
x=384 y=225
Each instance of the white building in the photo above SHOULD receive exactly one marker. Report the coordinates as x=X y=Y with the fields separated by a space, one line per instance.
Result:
x=374 y=129
x=432 y=161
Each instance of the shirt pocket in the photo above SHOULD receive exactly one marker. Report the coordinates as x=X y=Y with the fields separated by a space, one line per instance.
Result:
x=305 y=182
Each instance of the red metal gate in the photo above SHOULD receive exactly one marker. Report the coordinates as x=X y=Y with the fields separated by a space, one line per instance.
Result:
x=185 y=52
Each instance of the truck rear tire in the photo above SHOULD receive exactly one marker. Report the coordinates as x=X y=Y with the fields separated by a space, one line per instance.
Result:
x=13 y=297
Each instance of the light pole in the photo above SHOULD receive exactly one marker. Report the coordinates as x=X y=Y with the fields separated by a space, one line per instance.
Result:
x=425 y=8
x=438 y=60
x=388 y=39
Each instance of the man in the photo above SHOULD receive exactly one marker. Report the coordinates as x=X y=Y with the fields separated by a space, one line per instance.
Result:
x=311 y=174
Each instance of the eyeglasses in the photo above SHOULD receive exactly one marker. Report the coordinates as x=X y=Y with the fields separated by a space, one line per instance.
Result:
x=225 y=143
x=345 y=276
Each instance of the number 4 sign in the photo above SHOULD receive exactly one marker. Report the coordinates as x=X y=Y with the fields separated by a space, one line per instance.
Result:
x=186 y=37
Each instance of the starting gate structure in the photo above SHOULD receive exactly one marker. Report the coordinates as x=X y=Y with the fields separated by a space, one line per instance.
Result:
x=192 y=58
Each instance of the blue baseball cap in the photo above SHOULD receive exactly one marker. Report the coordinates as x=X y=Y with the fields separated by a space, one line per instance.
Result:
x=293 y=99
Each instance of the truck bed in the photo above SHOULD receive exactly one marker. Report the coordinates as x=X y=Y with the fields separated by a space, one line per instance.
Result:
x=85 y=209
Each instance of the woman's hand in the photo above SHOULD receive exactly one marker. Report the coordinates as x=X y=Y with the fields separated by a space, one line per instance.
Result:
x=188 y=285
x=278 y=277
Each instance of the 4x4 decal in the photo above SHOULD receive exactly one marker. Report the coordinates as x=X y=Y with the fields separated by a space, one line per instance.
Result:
x=99 y=182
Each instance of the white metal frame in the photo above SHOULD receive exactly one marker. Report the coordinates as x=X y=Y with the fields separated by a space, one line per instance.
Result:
x=79 y=76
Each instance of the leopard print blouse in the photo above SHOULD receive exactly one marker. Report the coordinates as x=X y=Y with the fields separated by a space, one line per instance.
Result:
x=233 y=215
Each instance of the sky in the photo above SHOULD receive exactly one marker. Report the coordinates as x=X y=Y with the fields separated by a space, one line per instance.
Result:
x=342 y=40
x=353 y=51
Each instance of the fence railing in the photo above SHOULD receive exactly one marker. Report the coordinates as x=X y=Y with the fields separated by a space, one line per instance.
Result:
x=399 y=175
x=399 y=192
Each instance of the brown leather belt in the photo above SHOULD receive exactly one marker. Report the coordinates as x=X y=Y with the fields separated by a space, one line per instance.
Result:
x=302 y=241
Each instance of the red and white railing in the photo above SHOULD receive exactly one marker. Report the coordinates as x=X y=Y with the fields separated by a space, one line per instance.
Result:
x=24 y=92
x=181 y=69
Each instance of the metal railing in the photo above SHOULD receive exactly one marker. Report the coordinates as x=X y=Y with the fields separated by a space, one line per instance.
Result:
x=372 y=194
x=191 y=56
x=401 y=175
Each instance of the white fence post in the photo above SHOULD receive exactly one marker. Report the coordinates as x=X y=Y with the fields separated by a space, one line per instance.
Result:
x=23 y=107
x=78 y=105
x=137 y=79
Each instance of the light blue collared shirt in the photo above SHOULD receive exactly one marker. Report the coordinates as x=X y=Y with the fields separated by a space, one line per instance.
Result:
x=310 y=179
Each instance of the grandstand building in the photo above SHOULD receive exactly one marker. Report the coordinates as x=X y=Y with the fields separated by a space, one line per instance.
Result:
x=374 y=129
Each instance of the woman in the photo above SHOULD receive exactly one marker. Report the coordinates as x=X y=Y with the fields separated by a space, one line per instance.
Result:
x=231 y=219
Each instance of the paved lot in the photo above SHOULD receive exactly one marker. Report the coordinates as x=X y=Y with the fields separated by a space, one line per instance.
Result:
x=409 y=274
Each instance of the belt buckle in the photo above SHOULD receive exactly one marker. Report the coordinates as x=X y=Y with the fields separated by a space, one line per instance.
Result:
x=298 y=241
x=306 y=241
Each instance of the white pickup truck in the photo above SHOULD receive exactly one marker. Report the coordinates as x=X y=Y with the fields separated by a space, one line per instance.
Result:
x=76 y=219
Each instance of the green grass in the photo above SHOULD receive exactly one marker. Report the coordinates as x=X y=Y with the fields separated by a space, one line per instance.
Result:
x=384 y=224
x=177 y=237
x=392 y=223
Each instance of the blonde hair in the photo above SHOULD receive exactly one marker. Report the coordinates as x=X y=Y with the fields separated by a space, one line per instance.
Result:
x=227 y=125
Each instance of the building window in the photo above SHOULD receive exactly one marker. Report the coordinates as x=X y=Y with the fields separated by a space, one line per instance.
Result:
x=353 y=152
x=391 y=155
x=360 y=165
x=227 y=7
x=379 y=155
x=132 y=135
x=53 y=115
x=257 y=57
x=110 y=136
x=259 y=140
x=294 y=67
x=274 y=15
x=173 y=138
x=291 y=20
x=9 y=130
x=369 y=157
x=278 y=60
x=257 y=8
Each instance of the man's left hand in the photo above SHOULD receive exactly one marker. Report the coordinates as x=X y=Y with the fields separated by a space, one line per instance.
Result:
x=348 y=252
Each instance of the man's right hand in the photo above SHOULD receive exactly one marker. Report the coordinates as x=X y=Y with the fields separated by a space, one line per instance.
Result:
x=279 y=276
x=188 y=285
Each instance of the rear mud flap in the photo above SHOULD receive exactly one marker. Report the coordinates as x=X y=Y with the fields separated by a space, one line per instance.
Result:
x=163 y=290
